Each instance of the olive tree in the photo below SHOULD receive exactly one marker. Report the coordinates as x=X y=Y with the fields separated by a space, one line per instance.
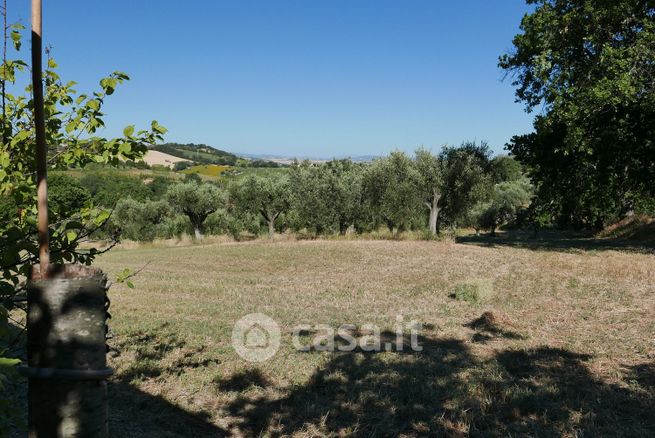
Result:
x=507 y=198
x=140 y=221
x=391 y=187
x=430 y=170
x=196 y=201
x=266 y=196
x=466 y=180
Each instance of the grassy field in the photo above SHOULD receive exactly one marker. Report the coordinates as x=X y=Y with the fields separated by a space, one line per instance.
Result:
x=516 y=341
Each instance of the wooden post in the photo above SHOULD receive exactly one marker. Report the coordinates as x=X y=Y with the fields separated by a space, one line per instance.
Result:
x=41 y=147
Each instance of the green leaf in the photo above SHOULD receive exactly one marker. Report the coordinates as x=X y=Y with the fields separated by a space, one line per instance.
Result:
x=158 y=128
x=16 y=37
x=129 y=284
x=101 y=217
x=93 y=104
x=128 y=131
x=71 y=235
x=9 y=362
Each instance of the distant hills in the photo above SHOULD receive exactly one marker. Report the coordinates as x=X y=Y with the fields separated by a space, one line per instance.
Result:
x=287 y=159
x=205 y=154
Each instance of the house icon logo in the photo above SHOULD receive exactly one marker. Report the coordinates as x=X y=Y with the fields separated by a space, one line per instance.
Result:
x=256 y=337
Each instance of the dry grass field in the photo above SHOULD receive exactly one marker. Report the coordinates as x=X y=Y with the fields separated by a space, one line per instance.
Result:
x=546 y=340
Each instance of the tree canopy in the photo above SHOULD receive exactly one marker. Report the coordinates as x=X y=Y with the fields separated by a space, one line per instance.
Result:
x=589 y=66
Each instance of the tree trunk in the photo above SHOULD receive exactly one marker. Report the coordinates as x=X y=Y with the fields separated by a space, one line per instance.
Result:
x=271 y=227
x=197 y=233
x=434 y=212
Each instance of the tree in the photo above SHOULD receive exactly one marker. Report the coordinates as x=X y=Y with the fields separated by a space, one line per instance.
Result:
x=72 y=123
x=266 y=196
x=140 y=220
x=65 y=194
x=431 y=173
x=465 y=179
x=391 y=187
x=588 y=66
x=505 y=168
x=196 y=201
x=507 y=198
x=107 y=187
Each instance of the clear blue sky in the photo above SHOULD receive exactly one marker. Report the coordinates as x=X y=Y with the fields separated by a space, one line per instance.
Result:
x=315 y=78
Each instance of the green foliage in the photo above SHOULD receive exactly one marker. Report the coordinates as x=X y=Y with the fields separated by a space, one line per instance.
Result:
x=588 y=66
x=107 y=187
x=269 y=197
x=466 y=179
x=325 y=198
x=182 y=165
x=72 y=123
x=391 y=187
x=140 y=221
x=504 y=168
x=65 y=195
x=196 y=201
x=507 y=198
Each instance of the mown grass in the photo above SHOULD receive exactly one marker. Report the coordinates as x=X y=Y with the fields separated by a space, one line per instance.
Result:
x=563 y=345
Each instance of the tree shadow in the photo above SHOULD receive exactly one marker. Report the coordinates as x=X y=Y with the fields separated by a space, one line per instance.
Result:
x=445 y=391
x=158 y=353
x=556 y=241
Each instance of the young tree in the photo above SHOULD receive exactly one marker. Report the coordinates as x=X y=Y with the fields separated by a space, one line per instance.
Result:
x=267 y=196
x=72 y=124
x=196 y=201
x=431 y=184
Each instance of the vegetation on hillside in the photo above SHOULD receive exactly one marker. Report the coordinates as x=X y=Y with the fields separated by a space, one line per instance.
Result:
x=204 y=154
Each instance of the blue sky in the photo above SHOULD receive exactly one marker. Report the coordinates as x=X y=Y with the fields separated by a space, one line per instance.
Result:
x=308 y=78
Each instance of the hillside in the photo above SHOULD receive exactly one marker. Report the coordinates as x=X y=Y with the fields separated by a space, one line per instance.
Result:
x=154 y=157
x=205 y=154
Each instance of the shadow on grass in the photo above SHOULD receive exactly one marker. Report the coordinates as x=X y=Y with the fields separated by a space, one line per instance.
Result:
x=489 y=327
x=445 y=391
x=134 y=413
x=556 y=241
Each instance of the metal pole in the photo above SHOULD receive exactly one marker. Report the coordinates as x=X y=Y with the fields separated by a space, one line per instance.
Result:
x=41 y=148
